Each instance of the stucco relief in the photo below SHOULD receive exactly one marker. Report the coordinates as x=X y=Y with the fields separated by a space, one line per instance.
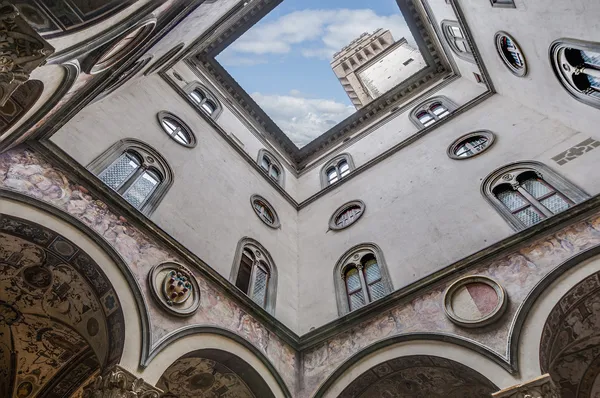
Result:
x=23 y=171
x=52 y=318
x=570 y=346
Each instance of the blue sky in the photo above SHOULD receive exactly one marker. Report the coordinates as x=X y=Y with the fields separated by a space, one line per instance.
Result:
x=283 y=61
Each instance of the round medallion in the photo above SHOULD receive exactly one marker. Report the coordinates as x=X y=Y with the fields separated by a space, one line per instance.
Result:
x=37 y=277
x=475 y=301
x=175 y=288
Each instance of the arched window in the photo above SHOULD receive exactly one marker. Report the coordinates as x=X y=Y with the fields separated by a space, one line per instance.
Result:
x=457 y=40
x=254 y=273
x=19 y=103
x=432 y=110
x=336 y=169
x=270 y=165
x=526 y=193
x=136 y=171
x=203 y=99
x=164 y=59
x=577 y=65
x=361 y=278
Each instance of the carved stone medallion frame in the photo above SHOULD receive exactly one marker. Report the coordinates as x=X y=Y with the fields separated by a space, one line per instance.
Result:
x=175 y=288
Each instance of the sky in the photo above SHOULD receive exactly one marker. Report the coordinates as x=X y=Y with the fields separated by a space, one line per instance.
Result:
x=283 y=61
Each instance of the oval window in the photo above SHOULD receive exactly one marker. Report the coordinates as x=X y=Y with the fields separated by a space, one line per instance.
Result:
x=347 y=215
x=265 y=211
x=176 y=129
x=511 y=54
x=471 y=144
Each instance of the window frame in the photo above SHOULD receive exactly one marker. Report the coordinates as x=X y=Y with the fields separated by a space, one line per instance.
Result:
x=273 y=161
x=515 y=70
x=149 y=158
x=208 y=97
x=162 y=115
x=446 y=26
x=335 y=163
x=261 y=255
x=509 y=175
x=351 y=258
x=341 y=210
x=581 y=45
x=503 y=3
x=426 y=105
x=491 y=138
x=257 y=198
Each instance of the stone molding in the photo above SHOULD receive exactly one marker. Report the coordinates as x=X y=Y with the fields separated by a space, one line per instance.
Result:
x=21 y=51
x=540 y=387
x=117 y=382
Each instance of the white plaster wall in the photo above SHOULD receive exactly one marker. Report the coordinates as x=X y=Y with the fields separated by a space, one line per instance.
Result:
x=424 y=209
x=252 y=140
x=207 y=208
x=441 y=11
x=395 y=130
x=535 y=25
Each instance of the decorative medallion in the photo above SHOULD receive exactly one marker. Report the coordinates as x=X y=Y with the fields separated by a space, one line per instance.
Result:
x=175 y=288
x=475 y=301
x=37 y=277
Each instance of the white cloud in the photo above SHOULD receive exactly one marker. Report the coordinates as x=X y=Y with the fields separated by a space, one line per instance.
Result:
x=318 y=33
x=302 y=119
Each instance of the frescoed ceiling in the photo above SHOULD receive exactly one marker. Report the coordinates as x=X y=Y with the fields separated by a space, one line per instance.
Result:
x=202 y=378
x=570 y=346
x=53 y=320
x=419 y=377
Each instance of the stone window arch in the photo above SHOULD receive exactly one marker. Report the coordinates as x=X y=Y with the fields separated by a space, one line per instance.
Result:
x=457 y=40
x=576 y=64
x=203 y=99
x=526 y=193
x=136 y=171
x=164 y=59
x=255 y=274
x=271 y=166
x=361 y=277
x=336 y=169
x=432 y=110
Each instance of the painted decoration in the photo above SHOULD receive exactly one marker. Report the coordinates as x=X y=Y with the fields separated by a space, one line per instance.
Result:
x=475 y=301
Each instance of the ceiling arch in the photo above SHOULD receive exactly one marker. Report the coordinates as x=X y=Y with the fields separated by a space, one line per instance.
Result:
x=59 y=314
